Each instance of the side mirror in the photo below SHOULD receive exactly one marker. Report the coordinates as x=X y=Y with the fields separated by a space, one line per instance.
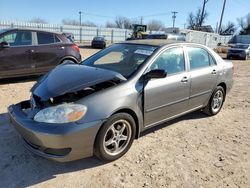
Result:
x=157 y=73
x=4 y=45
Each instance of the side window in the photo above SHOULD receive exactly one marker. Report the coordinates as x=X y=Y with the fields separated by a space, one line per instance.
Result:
x=19 y=38
x=171 y=60
x=198 y=58
x=57 y=39
x=45 y=38
x=211 y=60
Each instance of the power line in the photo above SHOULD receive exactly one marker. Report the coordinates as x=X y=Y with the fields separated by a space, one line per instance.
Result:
x=106 y=16
x=98 y=15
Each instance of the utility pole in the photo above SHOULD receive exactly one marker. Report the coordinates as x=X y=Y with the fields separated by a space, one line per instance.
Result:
x=174 y=17
x=202 y=12
x=141 y=20
x=216 y=29
x=80 y=24
x=80 y=17
x=221 y=17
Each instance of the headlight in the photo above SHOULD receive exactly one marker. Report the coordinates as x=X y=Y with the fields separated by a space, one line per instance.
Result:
x=63 y=113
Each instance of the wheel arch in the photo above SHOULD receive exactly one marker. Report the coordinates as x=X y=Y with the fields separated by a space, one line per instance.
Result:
x=224 y=86
x=134 y=116
x=69 y=58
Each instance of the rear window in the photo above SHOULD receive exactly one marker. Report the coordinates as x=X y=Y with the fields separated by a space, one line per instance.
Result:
x=46 y=38
x=98 y=38
x=198 y=58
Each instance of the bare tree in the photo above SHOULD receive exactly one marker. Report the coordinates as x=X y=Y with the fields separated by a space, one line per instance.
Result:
x=196 y=20
x=89 y=24
x=70 y=22
x=122 y=22
x=155 y=25
x=76 y=22
x=38 y=20
x=244 y=23
x=229 y=29
x=110 y=25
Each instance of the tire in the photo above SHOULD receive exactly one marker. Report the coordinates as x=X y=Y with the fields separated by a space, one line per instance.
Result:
x=246 y=58
x=110 y=143
x=216 y=102
x=68 y=61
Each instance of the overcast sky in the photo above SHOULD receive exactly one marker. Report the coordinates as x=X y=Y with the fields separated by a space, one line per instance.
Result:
x=53 y=11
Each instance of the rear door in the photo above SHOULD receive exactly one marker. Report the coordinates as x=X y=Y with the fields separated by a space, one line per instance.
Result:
x=48 y=52
x=167 y=97
x=204 y=74
x=16 y=60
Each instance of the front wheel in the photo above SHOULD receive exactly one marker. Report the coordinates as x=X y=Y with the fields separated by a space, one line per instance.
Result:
x=246 y=58
x=115 y=137
x=216 y=101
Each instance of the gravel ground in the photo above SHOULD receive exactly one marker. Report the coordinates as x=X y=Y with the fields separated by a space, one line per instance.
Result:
x=191 y=151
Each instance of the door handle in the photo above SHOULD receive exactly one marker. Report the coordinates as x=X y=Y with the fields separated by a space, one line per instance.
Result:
x=62 y=48
x=213 y=72
x=184 y=79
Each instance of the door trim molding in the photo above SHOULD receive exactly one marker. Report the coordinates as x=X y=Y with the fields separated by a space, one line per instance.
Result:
x=165 y=105
x=199 y=94
x=172 y=117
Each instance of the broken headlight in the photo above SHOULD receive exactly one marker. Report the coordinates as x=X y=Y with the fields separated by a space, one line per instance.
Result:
x=63 y=113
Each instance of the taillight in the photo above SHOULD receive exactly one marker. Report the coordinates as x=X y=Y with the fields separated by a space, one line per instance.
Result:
x=76 y=48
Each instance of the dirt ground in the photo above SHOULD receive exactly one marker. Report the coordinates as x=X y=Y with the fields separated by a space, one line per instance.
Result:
x=191 y=151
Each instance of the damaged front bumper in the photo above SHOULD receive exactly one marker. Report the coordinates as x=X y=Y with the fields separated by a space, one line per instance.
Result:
x=59 y=142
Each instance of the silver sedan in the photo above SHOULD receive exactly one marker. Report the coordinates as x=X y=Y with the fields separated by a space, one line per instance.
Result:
x=101 y=105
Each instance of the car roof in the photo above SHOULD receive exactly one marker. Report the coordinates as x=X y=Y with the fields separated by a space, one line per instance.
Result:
x=30 y=29
x=153 y=42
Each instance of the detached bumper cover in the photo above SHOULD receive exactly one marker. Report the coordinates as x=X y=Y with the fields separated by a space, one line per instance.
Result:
x=60 y=142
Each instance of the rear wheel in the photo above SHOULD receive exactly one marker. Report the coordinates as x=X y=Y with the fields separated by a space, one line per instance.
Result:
x=216 y=101
x=115 y=137
x=68 y=61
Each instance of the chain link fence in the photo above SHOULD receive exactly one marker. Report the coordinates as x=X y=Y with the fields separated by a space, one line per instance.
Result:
x=84 y=34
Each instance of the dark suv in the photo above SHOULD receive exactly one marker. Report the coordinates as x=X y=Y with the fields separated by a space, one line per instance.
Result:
x=33 y=52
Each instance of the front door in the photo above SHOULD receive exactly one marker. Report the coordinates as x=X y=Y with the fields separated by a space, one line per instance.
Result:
x=167 y=97
x=16 y=60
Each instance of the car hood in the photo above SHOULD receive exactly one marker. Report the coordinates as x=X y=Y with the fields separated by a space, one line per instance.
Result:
x=70 y=78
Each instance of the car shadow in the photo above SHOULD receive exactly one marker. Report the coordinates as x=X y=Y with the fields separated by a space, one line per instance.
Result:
x=18 y=79
x=21 y=168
